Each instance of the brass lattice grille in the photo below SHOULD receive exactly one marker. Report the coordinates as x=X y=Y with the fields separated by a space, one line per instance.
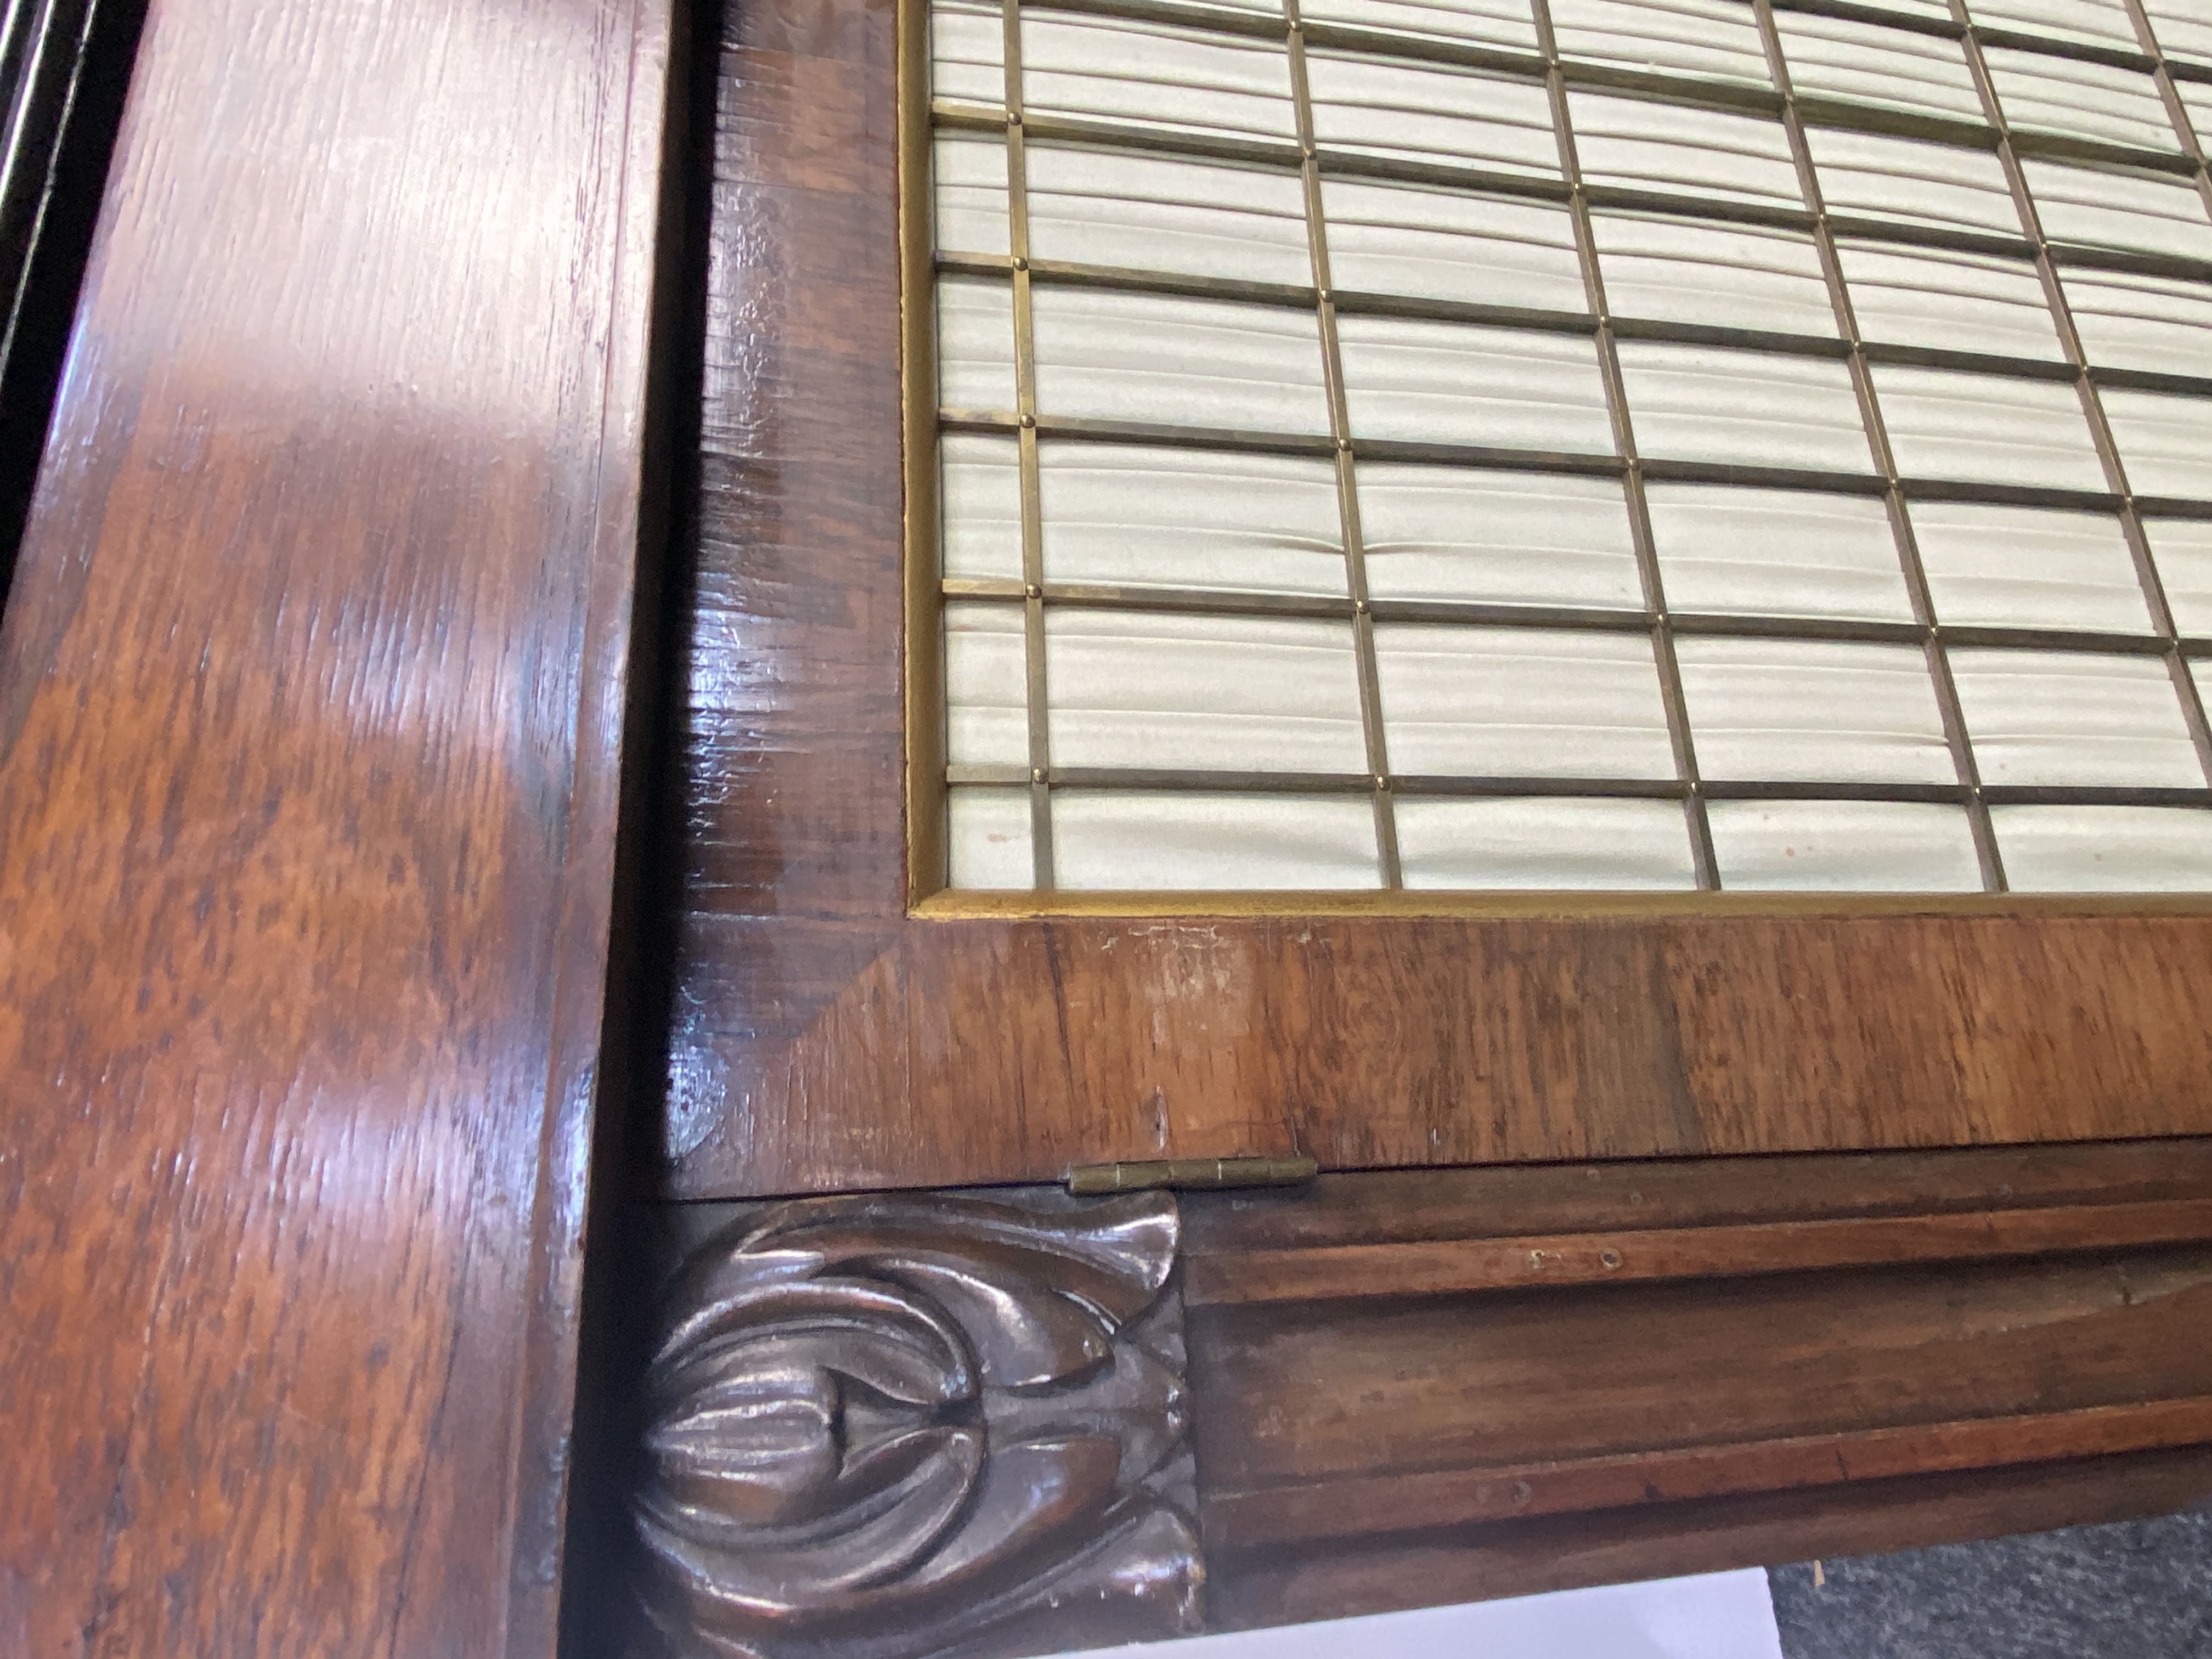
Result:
x=1787 y=422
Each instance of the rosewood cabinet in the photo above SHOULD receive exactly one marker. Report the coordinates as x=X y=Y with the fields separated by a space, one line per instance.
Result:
x=466 y=770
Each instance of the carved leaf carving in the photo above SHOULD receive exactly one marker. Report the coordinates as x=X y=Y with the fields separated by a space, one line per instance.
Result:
x=904 y=1425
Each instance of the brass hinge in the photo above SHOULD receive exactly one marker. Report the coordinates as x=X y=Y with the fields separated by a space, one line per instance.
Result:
x=1206 y=1173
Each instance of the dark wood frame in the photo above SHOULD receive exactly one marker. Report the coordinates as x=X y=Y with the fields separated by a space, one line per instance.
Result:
x=842 y=1024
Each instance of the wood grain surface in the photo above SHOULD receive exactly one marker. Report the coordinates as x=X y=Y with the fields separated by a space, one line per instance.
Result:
x=1277 y=1586
x=822 y=1052
x=826 y=1037
x=1388 y=1438
x=311 y=689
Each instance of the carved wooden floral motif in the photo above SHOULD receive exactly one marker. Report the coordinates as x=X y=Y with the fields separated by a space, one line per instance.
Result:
x=894 y=1426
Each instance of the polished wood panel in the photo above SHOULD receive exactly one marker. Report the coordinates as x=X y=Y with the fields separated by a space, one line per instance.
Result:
x=825 y=1036
x=311 y=685
x=848 y=1053
x=2030 y=1354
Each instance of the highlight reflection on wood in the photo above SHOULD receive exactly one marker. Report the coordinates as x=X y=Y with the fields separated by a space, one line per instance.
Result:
x=311 y=689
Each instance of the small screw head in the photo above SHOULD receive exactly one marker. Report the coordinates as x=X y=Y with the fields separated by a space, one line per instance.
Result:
x=1381 y=781
x=1610 y=1258
x=1029 y=420
x=1034 y=590
x=1013 y=118
x=1021 y=263
x=1036 y=774
x=1344 y=444
x=1360 y=605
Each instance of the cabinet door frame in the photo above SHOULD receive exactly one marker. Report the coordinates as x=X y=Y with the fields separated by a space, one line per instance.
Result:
x=845 y=1021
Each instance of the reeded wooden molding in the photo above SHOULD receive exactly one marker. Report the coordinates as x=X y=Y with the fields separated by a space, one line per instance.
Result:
x=894 y=1426
x=1411 y=1387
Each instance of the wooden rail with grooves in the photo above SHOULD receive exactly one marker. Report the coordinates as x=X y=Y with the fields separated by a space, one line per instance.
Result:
x=1422 y=1385
x=1495 y=1264
x=1938 y=1345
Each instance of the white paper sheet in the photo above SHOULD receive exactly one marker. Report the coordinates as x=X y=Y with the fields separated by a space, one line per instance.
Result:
x=988 y=833
x=1103 y=207
x=1722 y=1615
x=1670 y=147
x=2071 y=718
x=2080 y=100
x=969 y=173
x=1776 y=553
x=1183 y=80
x=1744 y=408
x=1880 y=177
x=1111 y=355
x=1865 y=64
x=2026 y=568
x=968 y=52
x=2099 y=22
x=1521 y=702
x=1713 y=40
x=1436 y=382
x=1150 y=517
x=1218 y=693
x=2184 y=28
x=1830 y=846
x=1486 y=250
x=1157 y=843
x=1713 y=272
x=1434 y=533
x=1225 y=842
x=2182 y=549
x=1431 y=113
x=2164 y=442
x=1146 y=516
x=984 y=686
x=2100 y=849
x=1543 y=841
x=1974 y=427
x=1949 y=300
x=1812 y=711
x=2130 y=320
x=2103 y=208
x=975 y=344
x=980 y=503
x=1483 y=23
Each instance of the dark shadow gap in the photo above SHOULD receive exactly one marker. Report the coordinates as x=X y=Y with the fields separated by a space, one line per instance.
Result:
x=65 y=76
x=620 y=1244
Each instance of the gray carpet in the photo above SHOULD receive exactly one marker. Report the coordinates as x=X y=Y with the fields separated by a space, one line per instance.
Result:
x=2136 y=1590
